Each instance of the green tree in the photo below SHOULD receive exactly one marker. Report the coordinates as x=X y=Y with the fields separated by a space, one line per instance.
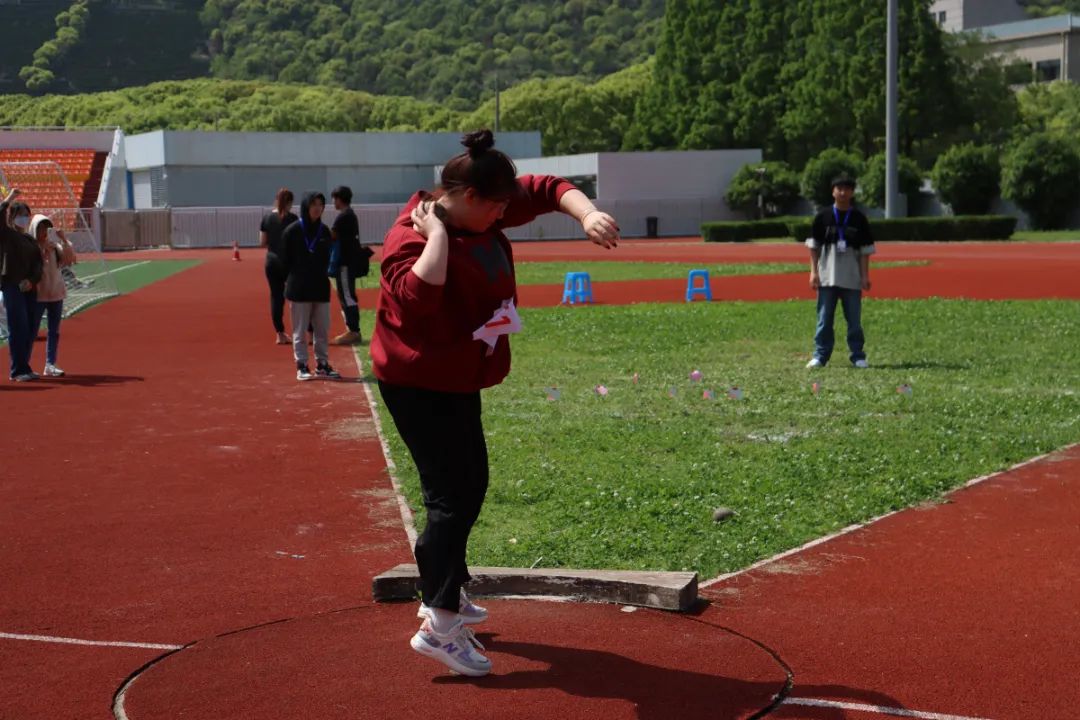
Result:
x=1040 y=174
x=794 y=77
x=968 y=177
x=819 y=173
x=1052 y=108
x=70 y=24
x=777 y=186
x=986 y=109
x=872 y=181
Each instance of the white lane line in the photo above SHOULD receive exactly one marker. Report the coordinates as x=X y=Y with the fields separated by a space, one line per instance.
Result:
x=403 y=505
x=116 y=270
x=879 y=709
x=95 y=643
x=857 y=526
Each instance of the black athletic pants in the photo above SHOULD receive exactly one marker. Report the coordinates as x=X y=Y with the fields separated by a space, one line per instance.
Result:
x=346 y=292
x=275 y=278
x=445 y=437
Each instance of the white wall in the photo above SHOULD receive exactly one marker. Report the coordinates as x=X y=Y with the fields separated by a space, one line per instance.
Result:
x=204 y=169
x=969 y=14
x=141 y=188
x=193 y=148
x=98 y=140
x=145 y=150
x=954 y=14
x=561 y=165
x=684 y=175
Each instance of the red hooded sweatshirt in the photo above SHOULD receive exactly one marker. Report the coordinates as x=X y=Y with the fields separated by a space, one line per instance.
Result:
x=423 y=332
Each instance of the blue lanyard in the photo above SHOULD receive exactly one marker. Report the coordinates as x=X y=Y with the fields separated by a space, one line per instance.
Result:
x=840 y=226
x=315 y=240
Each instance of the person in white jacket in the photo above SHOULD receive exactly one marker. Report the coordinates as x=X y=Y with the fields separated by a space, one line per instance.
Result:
x=56 y=253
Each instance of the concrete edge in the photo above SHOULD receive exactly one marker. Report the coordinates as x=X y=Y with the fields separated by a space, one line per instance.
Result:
x=675 y=591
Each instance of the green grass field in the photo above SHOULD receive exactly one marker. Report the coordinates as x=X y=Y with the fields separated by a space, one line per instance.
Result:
x=1047 y=235
x=631 y=480
x=130 y=275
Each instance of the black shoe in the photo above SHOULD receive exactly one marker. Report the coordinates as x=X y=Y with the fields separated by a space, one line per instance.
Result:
x=325 y=371
x=302 y=372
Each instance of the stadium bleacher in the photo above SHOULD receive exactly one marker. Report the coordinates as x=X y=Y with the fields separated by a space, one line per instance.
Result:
x=82 y=167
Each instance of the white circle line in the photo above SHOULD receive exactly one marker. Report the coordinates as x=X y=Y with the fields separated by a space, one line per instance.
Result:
x=879 y=709
x=94 y=643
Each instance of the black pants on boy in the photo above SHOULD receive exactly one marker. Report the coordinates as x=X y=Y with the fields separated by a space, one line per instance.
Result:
x=275 y=278
x=445 y=437
x=346 y=292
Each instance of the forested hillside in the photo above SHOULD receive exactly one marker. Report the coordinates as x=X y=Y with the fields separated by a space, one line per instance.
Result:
x=1041 y=8
x=451 y=51
x=60 y=46
x=445 y=50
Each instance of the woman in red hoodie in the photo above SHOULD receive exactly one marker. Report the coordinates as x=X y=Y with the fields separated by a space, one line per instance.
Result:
x=447 y=268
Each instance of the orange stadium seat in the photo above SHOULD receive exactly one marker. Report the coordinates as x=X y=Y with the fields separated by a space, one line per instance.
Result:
x=83 y=169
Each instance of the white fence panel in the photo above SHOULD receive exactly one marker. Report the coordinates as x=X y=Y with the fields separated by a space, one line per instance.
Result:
x=239 y=224
x=375 y=221
x=193 y=228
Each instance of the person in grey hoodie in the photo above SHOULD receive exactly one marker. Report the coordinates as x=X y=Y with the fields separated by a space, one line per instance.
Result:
x=56 y=254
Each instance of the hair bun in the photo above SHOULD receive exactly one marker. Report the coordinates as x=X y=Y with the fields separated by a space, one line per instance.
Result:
x=478 y=141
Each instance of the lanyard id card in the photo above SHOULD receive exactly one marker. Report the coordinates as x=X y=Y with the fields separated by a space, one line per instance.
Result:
x=841 y=243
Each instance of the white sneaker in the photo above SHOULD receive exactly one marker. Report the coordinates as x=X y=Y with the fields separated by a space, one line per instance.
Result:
x=458 y=650
x=814 y=363
x=861 y=364
x=470 y=613
x=53 y=371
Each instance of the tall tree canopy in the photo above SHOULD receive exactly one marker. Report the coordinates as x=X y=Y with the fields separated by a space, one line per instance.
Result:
x=796 y=76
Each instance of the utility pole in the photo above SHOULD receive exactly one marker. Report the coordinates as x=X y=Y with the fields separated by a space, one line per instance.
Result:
x=496 y=102
x=891 y=96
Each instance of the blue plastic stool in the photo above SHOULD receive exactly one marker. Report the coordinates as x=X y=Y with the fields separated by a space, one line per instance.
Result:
x=693 y=289
x=577 y=288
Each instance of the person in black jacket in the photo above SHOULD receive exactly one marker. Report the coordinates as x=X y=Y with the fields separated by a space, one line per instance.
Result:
x=350 y=261
x=270 y=237
x=306 y=244
x=20 y=271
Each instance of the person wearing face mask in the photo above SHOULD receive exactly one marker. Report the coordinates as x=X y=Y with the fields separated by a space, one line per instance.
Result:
x=20 y=272
x=305 y=259
x=56 y=254
x=447 y=269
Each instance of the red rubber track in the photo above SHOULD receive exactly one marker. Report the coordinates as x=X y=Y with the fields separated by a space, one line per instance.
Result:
x=966 y=608
x=159 y=493
x=162 y=492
